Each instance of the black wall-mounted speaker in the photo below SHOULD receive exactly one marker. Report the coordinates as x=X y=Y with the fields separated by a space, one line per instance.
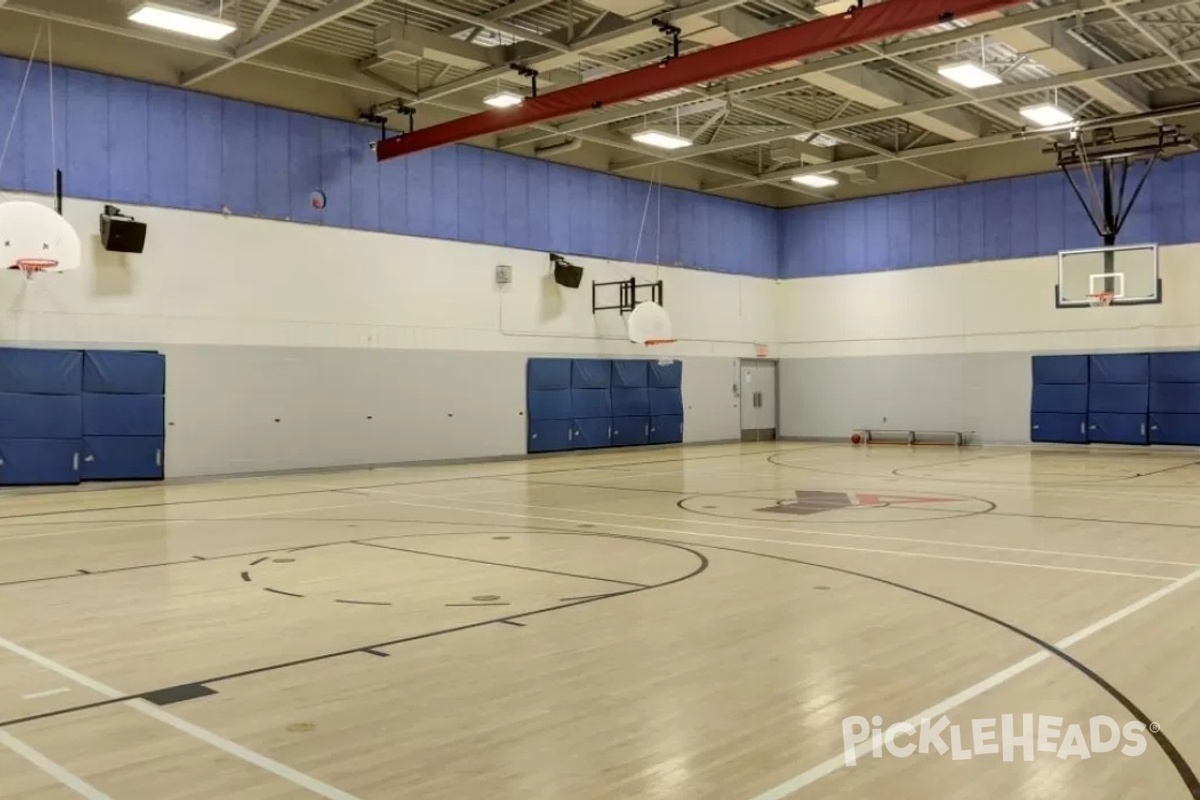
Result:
x=122 y=235
x=568 y=275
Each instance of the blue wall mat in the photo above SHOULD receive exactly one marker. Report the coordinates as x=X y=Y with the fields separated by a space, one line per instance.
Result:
x=40 y=416
x=39 y=462
x=1120 y=368
x=666 y=376
x=124 y=372
x=31 y=371
x=630 y=431
x=1060 y=398
x=544 y=404
x=1119 y=398
x=1060 y=369
x=630 y=374
x=549 y=373
x=631 y=402
x=591 y=433
x=591 y=403
x=591 y=373
x=1175 y=429
x=122 y=458
x=123 y=415
x=1118 y=428
x=1175 y=398
x=666 y=402
x=549 y=435
x=1068 y=428
x=666 y=430
x=1175 y=367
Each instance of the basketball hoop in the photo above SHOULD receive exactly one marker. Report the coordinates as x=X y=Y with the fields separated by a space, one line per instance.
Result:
x=657 y=342
x=32 y=266
x=649 y=324
x=1100 y=299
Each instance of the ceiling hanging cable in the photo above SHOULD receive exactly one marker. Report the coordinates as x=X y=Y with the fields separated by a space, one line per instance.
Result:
x=12 y=123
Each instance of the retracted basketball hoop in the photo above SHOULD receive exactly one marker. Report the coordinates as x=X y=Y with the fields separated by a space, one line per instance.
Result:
x=647 y=323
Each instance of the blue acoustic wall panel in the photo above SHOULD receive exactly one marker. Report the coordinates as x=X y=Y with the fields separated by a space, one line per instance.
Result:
x=549 y=373
x=666 y=429
x=40 y=416
x=631 y=374
x=544 y=404
x=123 y=415
x=592 y=433
x=591 y=373
x=1060 y=369
x=549 y=435
x=1119 y=398
x=591 y=404
x=666 y=376
x=631 y=402
x=1175 y=429
x=123 y=458
x=32 y=371
x=124 y=372
x=627 y=431
x=1118 y=428
x=1175 y=398
x=1060 y=398
x=1175 y=367
x=1064 y=428
x=39 y=462
x=666 y=402
x=1119 y=368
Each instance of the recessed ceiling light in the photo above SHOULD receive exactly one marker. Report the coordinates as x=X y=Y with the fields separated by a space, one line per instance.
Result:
x=816 y=181
x=969 y=74
x=660 y=139
x=504 y=99
x=1046 y=115
x=166 y=18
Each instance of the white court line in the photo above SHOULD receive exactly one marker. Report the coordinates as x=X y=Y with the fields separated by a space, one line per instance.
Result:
x=195 y=731
x=576 y=521
x=832 y=765
x=59 y=773
x=47 y=693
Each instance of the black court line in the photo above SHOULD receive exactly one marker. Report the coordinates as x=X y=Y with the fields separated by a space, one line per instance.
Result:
x=179 y=694
x=362 y=602
x=475 y=605
x=372 y=652
x=280 y=591
x=514 y=623
x=498 y=564
x=584 y=597
x=246 y=577
x=258 y=561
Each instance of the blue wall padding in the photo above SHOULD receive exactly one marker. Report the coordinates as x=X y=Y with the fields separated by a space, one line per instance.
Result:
x=591 y=404
x=124 y=372
x=666 y=429
x=1118 y=428
x=549 y=373
x=591 y=373
x=1119 y=398
x=549 y=435
x=1175 y=398
x=40 y=416
x=1066 y=428
x=591 y=433
x=1060 y=398
x=1175 y=429
x=630 y=374
x=1175 y=367
x=125 y=458
x=1120 y=368
x=31 y=371
x=123 y=415
x=630 y=431
x=666 y=376
x=1060 y=369
x=666 y=402
x=631 y=402
x=549 y=404
x=39 y=462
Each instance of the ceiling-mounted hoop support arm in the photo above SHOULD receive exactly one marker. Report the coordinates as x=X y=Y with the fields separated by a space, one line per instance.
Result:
x=627 y=298
x=527 y=72
x=672 y=30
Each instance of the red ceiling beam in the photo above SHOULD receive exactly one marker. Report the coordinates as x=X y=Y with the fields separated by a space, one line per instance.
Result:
x=786 y=44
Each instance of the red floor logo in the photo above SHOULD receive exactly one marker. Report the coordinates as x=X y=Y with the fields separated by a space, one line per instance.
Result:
x=831 y=505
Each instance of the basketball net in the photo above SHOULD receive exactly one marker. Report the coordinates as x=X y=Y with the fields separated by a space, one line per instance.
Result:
x=1101 y=299
x=30 y=266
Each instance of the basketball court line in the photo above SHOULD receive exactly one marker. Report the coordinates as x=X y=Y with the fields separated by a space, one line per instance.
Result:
x=51 y=768
x=152 y=711
x=835 y=763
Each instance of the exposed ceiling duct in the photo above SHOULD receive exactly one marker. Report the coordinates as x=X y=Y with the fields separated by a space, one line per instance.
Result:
x=787 y=44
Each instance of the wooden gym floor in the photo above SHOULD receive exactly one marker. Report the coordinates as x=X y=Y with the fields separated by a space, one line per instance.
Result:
x=677 y=623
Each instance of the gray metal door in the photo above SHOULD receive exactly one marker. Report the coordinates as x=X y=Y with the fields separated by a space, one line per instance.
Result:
x=759 y=403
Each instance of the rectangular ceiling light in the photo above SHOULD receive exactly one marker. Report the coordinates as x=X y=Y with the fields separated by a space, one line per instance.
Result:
x=503 y=99
x=816 y=181
x=1047 y=115
x=969 y=74
x=660 y=139
x=166 y=18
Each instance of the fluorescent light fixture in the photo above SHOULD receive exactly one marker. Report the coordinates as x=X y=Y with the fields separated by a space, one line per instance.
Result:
x=834 y=8
x=1047 y=115
x=157 y=15
x=660 y=139
x=816 y=181
x=969 y=74
x=504 y=99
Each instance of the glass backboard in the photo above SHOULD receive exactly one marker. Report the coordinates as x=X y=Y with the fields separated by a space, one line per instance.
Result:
x=1129 y=272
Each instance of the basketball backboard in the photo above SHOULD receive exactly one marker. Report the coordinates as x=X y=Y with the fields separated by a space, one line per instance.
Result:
x=1128 y=272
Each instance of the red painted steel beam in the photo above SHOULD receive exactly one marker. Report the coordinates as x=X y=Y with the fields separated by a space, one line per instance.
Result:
x=786 y=44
